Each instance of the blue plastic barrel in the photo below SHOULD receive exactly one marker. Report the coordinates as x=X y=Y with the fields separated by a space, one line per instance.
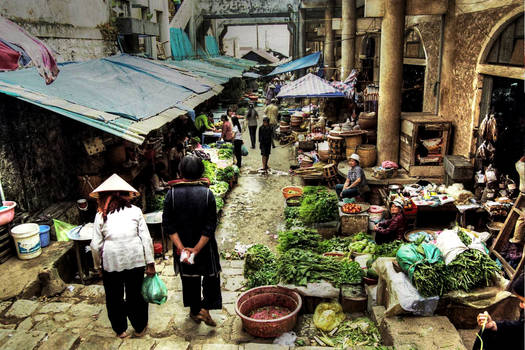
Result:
x=44 y=235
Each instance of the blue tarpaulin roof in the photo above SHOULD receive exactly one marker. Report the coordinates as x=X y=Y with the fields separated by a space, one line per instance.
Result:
x=309 y=86
x=217 y=74
x=115 y=85
x=303 y=62
x=180 y=44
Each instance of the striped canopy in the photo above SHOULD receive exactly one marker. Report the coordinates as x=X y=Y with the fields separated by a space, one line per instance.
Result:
x=309 y=86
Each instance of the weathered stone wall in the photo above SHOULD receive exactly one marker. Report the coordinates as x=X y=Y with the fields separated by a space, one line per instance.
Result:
x=430 y=35
x=243 y=7
x=471 y=29
x=69 y=27
x=40 y=153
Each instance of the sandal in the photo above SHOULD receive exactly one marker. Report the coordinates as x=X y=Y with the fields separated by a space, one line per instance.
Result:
x=141 y=334
x=123 y=335
x=195 y=318
x=204 y=315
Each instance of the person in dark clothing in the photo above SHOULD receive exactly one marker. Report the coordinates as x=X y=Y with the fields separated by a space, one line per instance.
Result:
x=237 y=140
x=393 y=228
x=190 y=219
x=503 y=334
x=265 y=142
x=251 y=118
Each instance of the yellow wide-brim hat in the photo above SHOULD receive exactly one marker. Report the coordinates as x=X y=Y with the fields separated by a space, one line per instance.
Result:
x=115 y=183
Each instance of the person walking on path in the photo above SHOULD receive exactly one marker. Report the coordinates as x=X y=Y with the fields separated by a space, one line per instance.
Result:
x=237 y=140
x=251 y=118
x=355 y=183
x=122 y=251
x=265 y=143
x=272 y=112
x=190 y=218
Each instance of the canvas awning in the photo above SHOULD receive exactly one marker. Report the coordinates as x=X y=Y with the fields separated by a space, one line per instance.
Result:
x=309 y=86
x=303 y=62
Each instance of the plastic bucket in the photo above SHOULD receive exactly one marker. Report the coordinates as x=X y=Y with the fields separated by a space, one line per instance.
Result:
x=44 y=235
x=27 y=241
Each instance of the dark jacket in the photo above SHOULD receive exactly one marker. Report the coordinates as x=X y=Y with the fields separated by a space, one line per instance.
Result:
x=265 y=135
x=189 y=211
x=508 y=336
x=391 y=229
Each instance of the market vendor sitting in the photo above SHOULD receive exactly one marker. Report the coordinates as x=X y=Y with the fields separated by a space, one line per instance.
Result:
x=504 y=334
x=393 y=228
x=355 y=183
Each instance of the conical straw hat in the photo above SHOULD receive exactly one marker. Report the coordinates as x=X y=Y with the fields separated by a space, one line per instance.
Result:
x=115 y=183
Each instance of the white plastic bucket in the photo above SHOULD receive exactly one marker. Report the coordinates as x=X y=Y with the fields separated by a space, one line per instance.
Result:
x=27 y=240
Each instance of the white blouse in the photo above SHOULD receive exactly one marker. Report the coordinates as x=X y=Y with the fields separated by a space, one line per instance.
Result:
x=123 y=241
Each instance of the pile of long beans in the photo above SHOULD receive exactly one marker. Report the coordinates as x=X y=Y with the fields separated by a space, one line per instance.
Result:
x=471 y=269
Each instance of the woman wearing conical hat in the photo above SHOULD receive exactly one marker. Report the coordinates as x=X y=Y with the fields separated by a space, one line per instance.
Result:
x=122 y=251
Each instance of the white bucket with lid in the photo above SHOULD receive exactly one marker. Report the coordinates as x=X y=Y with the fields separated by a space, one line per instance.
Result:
x=27 y=240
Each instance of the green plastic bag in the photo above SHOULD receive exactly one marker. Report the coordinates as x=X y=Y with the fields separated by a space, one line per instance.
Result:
x=327 y=316
x=154 y=291
x=61 y=229
x=410 y=255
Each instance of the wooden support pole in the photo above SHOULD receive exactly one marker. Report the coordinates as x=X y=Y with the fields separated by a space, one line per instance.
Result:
x=329 y=40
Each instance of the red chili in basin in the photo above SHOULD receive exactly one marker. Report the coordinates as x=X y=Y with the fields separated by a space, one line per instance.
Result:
x=269 y=312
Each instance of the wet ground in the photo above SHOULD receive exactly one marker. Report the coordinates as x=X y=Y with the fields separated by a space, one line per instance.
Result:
x=254 y=208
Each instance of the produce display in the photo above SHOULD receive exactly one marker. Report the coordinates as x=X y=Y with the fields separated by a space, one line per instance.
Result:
x=364 y=246
x=269 y=312
x=353 y=333
x=471 y=269
x=301 y=238
x=225 y=153
x=387 y=249
x=335 y=244
x=225 y=174
x=260 y=267
x=291 y=217
x=210 y=170
x=351 y=208
x=220 y=188
x=465 y=238
x=219 y=202
x=429 y=279
x=319 y=205
x=420 y=237
x=299 y=267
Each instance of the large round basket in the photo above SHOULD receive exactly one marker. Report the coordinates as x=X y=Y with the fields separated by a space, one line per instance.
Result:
x=367 y=154
x=367 y=120
x=268 y=296
x=292 y=191
x=354 y=140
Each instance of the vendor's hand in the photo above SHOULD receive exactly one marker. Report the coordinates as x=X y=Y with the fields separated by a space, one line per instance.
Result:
x=150 y=269
x=485 y=318
x=179 y=250
x=193 y=250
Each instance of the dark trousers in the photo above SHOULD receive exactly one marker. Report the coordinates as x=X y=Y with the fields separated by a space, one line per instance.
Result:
x=348 y=193
x=134 y=307
x=237 y=151
x=253 y=132
x=211 y=293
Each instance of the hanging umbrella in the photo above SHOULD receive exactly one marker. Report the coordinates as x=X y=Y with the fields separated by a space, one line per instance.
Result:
x=15 y=41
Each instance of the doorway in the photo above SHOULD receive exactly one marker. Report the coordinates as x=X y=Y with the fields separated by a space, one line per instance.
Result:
x=413 y=88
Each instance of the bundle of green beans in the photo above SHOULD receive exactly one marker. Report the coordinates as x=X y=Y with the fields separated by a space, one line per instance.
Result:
x=429 y=279
x=353 y=333
x=299 y=267
x=469 y=270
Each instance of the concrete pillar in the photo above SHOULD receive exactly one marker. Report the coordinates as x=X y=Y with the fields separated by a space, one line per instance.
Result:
x=165 y=29
x=348 y=37
x=390 y=80
x=193 y=30
x=301 y=44
x=329 y=39
x=447 y=64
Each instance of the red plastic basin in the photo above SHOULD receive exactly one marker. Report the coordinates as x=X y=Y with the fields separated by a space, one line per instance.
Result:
x=268 y=296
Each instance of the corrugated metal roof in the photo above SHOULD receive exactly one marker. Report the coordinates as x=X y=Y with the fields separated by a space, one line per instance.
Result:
x=208 y=70
x=309 y=86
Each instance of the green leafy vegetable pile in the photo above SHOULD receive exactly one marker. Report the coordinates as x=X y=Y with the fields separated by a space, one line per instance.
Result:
x=299 y=267
x=225 y=153
x=220 y=188
x=354 y=333
x=429 y=279
x=364 y=246
x=225 y=174
x=291 y=217
x=335 y=244
x=260 y=267
x=387 y=249
x=210 y=170
x=319 y=205
x=219 y=202
x=471 y=269
x=301 y=238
